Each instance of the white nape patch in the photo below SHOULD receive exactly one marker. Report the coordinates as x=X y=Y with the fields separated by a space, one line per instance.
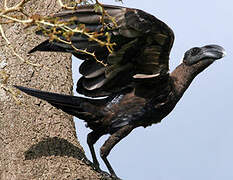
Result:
x=143 y=76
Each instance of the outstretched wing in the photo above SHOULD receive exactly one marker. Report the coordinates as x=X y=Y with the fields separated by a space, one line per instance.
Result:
x=142 y=49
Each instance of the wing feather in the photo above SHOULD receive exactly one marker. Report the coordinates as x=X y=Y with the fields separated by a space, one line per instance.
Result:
x=143 y=45
x=91 y=69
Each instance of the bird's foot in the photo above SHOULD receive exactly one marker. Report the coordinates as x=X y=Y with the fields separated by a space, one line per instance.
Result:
x=95 y=166
x=104 y=174
x=87 y=161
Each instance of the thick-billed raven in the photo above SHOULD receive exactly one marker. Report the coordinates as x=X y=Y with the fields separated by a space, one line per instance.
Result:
x=134 y=79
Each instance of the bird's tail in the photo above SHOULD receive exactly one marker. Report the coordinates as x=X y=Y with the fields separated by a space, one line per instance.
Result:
x=86 y=109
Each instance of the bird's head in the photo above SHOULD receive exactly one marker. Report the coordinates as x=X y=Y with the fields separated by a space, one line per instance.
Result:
x=207 y=54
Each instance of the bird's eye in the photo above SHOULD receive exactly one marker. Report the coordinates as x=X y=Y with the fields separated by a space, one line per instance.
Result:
x=195 y=51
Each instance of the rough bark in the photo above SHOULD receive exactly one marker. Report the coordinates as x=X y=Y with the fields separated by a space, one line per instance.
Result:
x=37 y=141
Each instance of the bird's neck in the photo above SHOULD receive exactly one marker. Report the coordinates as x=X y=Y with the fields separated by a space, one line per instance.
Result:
x=183 y=75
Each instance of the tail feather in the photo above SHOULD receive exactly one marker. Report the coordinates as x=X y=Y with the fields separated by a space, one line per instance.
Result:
x=76 y=106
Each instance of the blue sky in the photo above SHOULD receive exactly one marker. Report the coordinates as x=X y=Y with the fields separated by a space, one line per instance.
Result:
x=196 y=140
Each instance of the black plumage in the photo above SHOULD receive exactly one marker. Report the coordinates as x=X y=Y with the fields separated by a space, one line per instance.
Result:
x=135 y=78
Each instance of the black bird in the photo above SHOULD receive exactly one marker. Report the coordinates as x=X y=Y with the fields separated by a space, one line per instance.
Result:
x=135 y=84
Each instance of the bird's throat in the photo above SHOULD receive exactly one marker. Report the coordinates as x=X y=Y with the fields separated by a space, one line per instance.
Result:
x=184 y=74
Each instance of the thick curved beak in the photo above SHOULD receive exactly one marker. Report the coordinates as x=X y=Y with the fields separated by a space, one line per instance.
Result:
x=213 y=52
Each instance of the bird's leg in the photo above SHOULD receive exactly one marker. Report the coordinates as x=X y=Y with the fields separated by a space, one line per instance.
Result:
x=111 y=142
x=92 y=137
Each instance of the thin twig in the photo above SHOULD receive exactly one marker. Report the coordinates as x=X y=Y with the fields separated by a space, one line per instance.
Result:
x=12 y=49
x=50 y=28
x=3 y=85
x=81 y=50
x=3 y=35
x=27 y=21
x=12 y=92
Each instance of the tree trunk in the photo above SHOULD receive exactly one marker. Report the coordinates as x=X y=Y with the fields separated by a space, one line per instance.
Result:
x=37 y=141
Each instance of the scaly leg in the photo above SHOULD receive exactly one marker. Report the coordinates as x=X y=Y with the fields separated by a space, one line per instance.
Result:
x=111 y=142
x=92 y=137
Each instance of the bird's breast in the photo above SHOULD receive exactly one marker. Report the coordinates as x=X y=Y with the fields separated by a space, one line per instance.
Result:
x=125 y=109
x=131 y=109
